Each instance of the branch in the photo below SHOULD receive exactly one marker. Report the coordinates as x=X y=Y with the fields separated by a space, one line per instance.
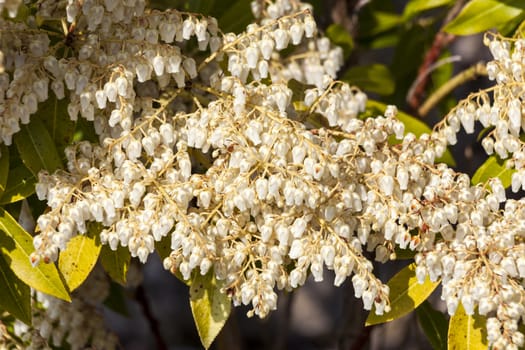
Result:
x=468 y=74
x=441 y=40
x=363 y=338
x=284 y=322
x=352 y=334
x=416 y=91
x=229 y=338
x=141 y=298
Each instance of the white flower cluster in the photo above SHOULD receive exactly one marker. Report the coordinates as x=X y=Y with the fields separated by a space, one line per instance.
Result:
x=79 y=324
x=120 y=43
x=482 y=264
x=316 y=63
x=502 y=114
x=139 y=182
x=22 y=85
x=266 y=200
x=234 y=172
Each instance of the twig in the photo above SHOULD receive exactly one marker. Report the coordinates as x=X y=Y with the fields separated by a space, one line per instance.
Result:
x=351 y=333
x=284 y=322
x=229 y=337
x=445 y=89
x=417 y=90
x=363 y=338
x=421 y=79
x=141 y=298
x=441 y=40
x=350 y=9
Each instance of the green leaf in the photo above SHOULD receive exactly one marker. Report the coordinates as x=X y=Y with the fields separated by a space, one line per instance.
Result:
x=298 y=89
x=378 y=25
x=80 y=257
x=57 y=121
x=493 y=167
x=116 y=299
x=339 y=36
x=15 y=295
x=236 y=18
x=388 y=39
x=85 y=131
x=4 y=168
x=16 y=245
x=373 y=22
x=210 y=307
x=406 y=294
x=374 y=78
x=36 y=147
x=206 y=7
x=434 y=324
x=116 y=263
x=415 y=7
x=412 y=124
x=20 y=185
x=467 y=332
x=480 y=15
x=202 y=6
x=414 y=39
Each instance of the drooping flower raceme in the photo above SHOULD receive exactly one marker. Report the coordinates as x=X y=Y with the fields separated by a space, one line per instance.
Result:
x=202 y=141
x=79 y=324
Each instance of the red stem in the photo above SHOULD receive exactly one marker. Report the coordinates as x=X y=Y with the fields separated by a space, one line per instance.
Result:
x=441 y=40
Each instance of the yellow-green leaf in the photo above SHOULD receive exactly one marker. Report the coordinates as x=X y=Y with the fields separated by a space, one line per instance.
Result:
x=79 y=257
x=116 y=262
x=493 y=167
x=20 y=185
x=37 y=148
x=210 y=307
x=480 y=15
x=15 y=295
x=467 y=332
x=510 y=28
x=414 y=7
x=16 y=245
x=4 y=167
x=520 y=31
x=405 y=295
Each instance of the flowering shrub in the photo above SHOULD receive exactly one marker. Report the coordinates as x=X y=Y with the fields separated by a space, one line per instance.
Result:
x=245 y=164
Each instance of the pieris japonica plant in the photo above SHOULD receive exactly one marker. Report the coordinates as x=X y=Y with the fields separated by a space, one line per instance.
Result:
x=246 y=165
